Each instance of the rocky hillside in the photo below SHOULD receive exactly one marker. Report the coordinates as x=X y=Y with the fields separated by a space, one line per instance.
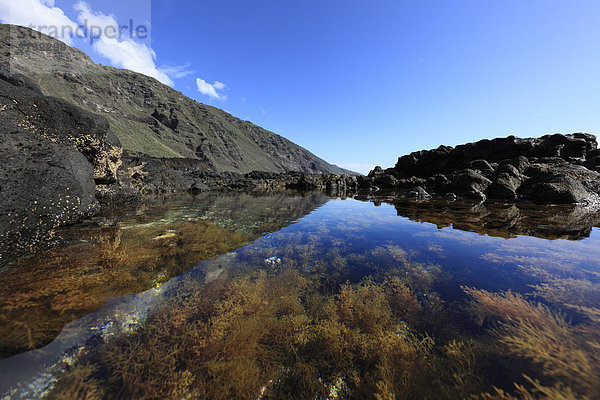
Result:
x=150 y=118
x=59 y=162
x=552 y=169
x=53 y=155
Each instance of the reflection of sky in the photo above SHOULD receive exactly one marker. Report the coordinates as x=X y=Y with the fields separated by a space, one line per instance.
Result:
x=347 y=229
x=484 y=261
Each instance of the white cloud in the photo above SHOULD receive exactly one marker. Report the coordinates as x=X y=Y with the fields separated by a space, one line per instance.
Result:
x=212 y=90
x=122 y=52
x=219 y=85
x=40 y=15
x=177 y=71
x=125 y=53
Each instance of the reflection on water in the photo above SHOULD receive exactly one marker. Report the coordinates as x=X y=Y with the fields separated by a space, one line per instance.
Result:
x=352 y=301
x=503 y=220
x=129 y=251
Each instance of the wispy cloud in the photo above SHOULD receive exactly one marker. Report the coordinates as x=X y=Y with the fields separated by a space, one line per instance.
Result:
x=125 y=53
x=212 y=90
x=122 y=51
x=177 y=71
x=39 y=13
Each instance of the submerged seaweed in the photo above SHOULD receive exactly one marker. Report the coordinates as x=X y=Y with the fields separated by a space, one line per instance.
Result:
x=354 y=305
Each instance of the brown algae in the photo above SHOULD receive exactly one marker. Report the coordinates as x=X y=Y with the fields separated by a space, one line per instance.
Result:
x=350 y=304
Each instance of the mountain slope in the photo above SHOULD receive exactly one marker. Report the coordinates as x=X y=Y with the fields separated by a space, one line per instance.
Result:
x=149 y=117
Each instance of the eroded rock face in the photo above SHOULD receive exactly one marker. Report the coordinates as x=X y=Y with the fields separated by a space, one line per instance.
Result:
x=52 y=156
x=563 y=184
x=552 y=169
x=43 y=185
x=25 y=108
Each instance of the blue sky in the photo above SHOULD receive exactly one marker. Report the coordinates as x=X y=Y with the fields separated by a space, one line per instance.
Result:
x=360 y=83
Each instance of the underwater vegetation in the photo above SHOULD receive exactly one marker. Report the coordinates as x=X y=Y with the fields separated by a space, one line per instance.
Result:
x=128 y=254
x=269 y=336
x=327 y=309
x=71 y=283
x=565 y=355
x=282 y=332
x=279 y=331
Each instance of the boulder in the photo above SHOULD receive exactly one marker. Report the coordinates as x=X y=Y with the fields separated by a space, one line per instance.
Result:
x=446 y=159
x=481 y=165
x=386 y=181
x=43 y=185
x=563 y=184
x=438 y=183
x=565 y=146
x=376 y=171
x=504 y=186
x=551 y=169
x=52 y=155
x=520 y=163
x=61 y=122
x=418 y=193
x=510 y=170
x=593 y=164
x=470 y=184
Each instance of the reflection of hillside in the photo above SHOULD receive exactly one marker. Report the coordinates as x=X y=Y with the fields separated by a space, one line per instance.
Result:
x=503 y=220
x=128 y=252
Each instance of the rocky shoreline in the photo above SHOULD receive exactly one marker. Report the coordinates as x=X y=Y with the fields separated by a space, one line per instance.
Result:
x=59 y=164
x=553 y=169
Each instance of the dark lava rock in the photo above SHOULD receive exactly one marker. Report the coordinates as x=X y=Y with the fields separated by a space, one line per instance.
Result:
x=61 y=122
x=20 y=80
x=52 y=154
x=43 y=185
x=563 y=184
x=593 y=164
x=376 y=171
x=446 y=159
x=418 y=193
x=520 y=163
x=438 y=183
x=511 y=170
x=481 y=165
x=504 y=186
x=550 y=169
x=470 y=184
x=163 y=175
x=386 y=181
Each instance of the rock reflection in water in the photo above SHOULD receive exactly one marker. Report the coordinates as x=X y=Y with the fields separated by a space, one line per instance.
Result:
x=129 y=251
x=350 y=302
x=502 y=220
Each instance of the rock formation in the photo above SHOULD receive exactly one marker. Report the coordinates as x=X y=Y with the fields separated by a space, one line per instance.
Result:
x=506 y=220
x=52 y=156
x=553 y=169
x=149 y=118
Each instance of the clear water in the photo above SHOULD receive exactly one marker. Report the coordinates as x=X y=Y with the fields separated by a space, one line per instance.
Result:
x=289 y=296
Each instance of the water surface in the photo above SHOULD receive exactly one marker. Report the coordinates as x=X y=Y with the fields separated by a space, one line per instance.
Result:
x=308 y=297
